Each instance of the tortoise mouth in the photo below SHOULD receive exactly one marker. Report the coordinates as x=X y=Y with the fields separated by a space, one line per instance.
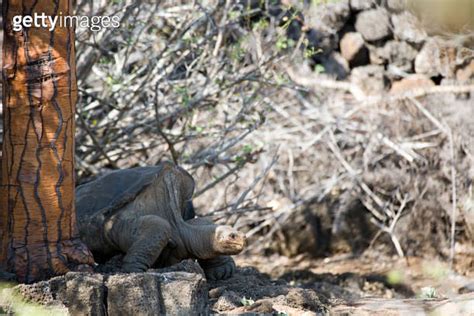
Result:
x=238 y=245
x=232 y=248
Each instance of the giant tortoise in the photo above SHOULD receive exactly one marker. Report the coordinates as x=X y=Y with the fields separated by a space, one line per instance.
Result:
x=146 y=213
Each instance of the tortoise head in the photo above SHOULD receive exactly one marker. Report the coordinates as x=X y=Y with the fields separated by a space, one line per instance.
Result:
x=228 y=241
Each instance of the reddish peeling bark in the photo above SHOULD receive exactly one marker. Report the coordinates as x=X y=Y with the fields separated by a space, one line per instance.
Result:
x=38 y=230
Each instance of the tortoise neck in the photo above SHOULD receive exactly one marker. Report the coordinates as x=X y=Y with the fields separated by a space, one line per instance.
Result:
x=198 y=240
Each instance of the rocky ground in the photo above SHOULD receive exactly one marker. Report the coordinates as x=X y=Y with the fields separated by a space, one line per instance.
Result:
x=339 y=285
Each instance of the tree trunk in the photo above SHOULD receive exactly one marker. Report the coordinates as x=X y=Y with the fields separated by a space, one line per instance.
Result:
x=38 y=230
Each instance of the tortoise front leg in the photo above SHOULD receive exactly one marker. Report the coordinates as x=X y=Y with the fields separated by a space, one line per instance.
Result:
x=220 y=268
x=141 y=239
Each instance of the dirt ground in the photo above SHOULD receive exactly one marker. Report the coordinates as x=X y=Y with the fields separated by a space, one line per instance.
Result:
x=371 y=284
x=406 y=276
x=338 y=284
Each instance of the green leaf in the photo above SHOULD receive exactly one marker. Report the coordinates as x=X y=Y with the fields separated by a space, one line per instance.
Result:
x=319 y=69
x=247 y=302
x=428 y=292
x=394 y=277
x=247 y=149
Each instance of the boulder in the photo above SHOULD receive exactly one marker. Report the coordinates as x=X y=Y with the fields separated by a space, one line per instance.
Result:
x=395 y=5
x=465 y=73
x=227 y=301
x=370 y=79
x=183 y=293
x=306 y=298
x=411 y=83
x=359 y=5
x=150 y=293
x=441 y=58
x=83 y=294
x=406 y=27
x=133 y=294
x=40 y=292
x=328 y=17
x=353 y=49
x=375 y=56
x=427 y=61
x=373 y=24
x=260 y=307
x=398 y=54
x=171 y=293
x=464 y=62
x=13 y=304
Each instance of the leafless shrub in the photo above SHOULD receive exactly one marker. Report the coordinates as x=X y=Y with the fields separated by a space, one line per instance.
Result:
x=179 y=81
